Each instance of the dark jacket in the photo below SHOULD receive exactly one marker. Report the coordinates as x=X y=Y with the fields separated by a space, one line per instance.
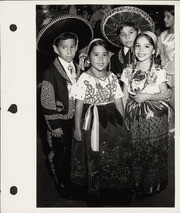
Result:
x=118 y=62
x=55 y=101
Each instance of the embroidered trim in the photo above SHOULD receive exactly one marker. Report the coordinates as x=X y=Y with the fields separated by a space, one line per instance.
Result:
x=48 y=96
x=120 y=56
x=50 y=158
x=61 y=70
x=67 y=116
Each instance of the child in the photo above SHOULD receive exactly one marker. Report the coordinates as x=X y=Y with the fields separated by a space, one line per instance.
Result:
x=101 y=152
x=56 y=95
x=120 y=27
x=126 y=32
x=166 y=50
x=146 y=113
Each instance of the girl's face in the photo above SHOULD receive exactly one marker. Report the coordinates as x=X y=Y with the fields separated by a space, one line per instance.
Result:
x=127 y=36
x=99 y=58
x=143 y=49
x=168 y=19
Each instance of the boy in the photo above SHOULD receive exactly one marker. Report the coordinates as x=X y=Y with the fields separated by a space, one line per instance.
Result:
x=126 y=32
x=57 y=100
x=120 y=27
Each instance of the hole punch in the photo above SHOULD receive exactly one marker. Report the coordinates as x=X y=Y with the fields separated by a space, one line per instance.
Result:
x=13 y=190
x=13 y=108
x=13 y=27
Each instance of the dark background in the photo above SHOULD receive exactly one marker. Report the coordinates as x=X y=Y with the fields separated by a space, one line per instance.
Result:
x=47 y=196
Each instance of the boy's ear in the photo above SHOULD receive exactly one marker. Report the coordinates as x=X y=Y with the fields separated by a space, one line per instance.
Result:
x=55 y=49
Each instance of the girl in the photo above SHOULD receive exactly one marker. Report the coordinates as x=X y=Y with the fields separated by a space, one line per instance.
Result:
x=101 y=152
x=166 y=49
x=147 y=116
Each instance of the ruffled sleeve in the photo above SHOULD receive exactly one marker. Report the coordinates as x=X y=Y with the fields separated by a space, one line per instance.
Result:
x=79 y=89
x=161 y=76
x=118 y=92
x=126 y=74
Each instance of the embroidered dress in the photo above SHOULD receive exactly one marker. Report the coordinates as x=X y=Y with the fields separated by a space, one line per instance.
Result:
x=148 y=124
x=108 y=163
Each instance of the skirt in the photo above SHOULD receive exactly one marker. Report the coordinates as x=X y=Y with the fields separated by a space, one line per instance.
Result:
x=110 y=167
x=148 y=125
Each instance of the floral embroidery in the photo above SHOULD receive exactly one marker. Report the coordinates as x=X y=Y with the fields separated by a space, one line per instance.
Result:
x=139 y=79
x=120 y=57
x=47 y=96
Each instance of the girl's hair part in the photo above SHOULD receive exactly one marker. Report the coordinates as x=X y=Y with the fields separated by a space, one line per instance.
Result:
x=96 y=42
x=151 y=37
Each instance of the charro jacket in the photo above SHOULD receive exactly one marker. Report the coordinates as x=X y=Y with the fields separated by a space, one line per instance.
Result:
x=118 y=62
x=56 y=105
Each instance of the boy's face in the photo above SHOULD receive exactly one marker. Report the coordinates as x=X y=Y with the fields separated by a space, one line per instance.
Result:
x=66 y=49
x=127 y=36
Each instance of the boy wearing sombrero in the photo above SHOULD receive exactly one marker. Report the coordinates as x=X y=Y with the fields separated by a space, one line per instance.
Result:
x=62 y=36
x=120 y=27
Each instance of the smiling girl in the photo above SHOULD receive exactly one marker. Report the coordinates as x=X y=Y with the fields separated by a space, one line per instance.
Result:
x=146 y=114
x=101 y=152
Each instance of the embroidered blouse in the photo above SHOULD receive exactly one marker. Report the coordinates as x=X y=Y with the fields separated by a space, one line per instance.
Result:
x=101 y=91
x=143 y=81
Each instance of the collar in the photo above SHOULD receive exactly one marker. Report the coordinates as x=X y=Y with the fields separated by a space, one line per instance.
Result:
x=65 y=64
x=126 y=49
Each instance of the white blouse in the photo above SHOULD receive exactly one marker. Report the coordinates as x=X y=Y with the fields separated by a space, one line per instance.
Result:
x=141 y=81
x=97 y=90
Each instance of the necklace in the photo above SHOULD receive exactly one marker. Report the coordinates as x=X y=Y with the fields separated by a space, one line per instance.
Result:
x=100 y=87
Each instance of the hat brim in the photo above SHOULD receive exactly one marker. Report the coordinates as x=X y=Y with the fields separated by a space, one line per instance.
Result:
x=62 y=24
x=118 y=15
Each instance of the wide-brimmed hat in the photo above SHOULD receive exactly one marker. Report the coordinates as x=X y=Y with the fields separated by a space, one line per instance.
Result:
x=118 y=15
x=62 y=24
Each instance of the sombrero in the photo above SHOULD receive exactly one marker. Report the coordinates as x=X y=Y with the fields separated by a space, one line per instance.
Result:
x=59 y=25
x=118 y=15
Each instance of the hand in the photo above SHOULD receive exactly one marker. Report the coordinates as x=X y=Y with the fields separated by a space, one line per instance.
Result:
x=57 y=133
x=140 y=97
x=77 y=135
x=168 y=94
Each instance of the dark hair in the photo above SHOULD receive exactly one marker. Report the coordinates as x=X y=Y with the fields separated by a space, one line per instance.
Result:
x=126 y=24
x=99 y=42
x=65 y=36
x=88 y=10
x=148 y=38
x=169 y=8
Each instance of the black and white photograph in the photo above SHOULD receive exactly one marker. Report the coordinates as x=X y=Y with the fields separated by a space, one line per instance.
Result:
x=106 y=124
x=90 y=106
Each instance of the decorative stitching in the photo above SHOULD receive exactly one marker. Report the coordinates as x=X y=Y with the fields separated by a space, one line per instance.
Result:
x=48 y=96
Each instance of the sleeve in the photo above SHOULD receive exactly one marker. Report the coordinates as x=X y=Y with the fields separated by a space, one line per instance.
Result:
x=118 y=91
x=161 y=76
x=48 y=102
x=124 y=76
x=79 y=88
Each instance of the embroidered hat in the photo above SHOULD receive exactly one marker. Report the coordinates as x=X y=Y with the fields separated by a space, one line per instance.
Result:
x=62 y=24
x=113 y=18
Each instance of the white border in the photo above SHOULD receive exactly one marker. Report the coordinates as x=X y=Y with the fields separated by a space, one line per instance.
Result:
x=18 y=85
